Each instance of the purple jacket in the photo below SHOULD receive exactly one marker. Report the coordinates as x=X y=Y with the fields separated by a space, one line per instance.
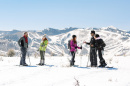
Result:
x=72 y=45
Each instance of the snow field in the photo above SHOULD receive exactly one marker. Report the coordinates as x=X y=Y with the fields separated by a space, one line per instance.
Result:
x=58 y=73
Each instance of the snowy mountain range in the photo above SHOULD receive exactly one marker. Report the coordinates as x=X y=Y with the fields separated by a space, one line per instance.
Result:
x=118 y=41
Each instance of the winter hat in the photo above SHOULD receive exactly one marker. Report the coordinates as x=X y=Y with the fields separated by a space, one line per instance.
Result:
x=73 y=36
x=44 y=35
x=97 y=35
x=92 y=31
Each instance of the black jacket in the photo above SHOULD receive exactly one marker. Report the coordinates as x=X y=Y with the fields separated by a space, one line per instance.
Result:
x=99 y=44
x=92 y=42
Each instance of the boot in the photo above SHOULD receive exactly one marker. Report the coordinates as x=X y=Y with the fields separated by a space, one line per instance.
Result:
x=104 y=65
x=93 y=65
x=72 y=64
x=100 y=66
x=25 y=64
x=41 y=62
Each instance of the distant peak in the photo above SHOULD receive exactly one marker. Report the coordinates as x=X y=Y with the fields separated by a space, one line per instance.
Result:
x=112 y=27
x=109 y=27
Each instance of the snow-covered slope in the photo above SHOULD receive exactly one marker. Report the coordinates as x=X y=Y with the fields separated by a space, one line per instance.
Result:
x=118 y=41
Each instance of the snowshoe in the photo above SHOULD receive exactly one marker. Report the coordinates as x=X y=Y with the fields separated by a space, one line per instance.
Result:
x=75 y=65
x=93 y=65
x=100 y=66
x=41 y=64
x=25 y=65
x=103 y=65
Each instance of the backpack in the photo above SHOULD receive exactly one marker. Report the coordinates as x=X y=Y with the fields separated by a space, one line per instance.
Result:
x=69 y=47
x=100 y=44
x=103 y=44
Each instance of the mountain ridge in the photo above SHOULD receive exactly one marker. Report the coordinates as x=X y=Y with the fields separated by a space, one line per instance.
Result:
x=58 y=39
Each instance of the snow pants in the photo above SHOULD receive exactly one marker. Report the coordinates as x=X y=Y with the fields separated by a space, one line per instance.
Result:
x=102 y=61
x=73 y=58
x=23 y=58
x=93 y=57
x=42 y=54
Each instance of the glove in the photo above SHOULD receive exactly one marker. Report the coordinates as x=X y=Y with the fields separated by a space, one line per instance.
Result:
x=81 y=47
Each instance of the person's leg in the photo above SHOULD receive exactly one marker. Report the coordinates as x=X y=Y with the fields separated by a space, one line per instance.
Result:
x=23 y=52
x=102 y=61
x=72 y=59
x=21 y=57
x=94 y=57
x=41 y=60
x=91 y=57
x=24 y=55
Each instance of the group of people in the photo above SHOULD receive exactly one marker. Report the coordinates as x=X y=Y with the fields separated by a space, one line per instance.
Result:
x=96 y=45
x=23 y=43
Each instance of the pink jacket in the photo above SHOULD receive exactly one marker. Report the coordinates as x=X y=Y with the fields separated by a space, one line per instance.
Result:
x=72 y=45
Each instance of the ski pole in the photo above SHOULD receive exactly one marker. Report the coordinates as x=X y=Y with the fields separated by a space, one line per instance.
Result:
x=96 y=57
x=81 y=57
x=29 y=59
x=20 y=58
x=80 y=60
x=88 y=58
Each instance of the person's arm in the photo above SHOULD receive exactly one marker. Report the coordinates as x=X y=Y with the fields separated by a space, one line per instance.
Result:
x=78 y=47
x=19 y=42
x=88 y=43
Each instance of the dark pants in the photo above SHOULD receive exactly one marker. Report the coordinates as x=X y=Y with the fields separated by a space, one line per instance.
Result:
x=93 y=57
x=73 y=58
x=102 y=61
x=42 y=54
x=23 y=58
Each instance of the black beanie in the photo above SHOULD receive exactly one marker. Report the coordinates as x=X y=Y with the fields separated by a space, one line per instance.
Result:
x=73 y=36
x=97 y=36
x=92 y=31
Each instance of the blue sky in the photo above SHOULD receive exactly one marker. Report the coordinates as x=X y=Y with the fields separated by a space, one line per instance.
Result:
x=40 y=14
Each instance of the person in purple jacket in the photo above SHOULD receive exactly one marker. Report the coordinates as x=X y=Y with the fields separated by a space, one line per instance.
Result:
x=73 y=49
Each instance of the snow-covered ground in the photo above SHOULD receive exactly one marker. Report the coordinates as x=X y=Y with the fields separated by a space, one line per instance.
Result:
x=58 y=73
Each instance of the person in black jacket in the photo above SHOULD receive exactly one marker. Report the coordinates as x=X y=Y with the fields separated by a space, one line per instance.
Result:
x=23 y=43
x=93 y=55
x=99 y=44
